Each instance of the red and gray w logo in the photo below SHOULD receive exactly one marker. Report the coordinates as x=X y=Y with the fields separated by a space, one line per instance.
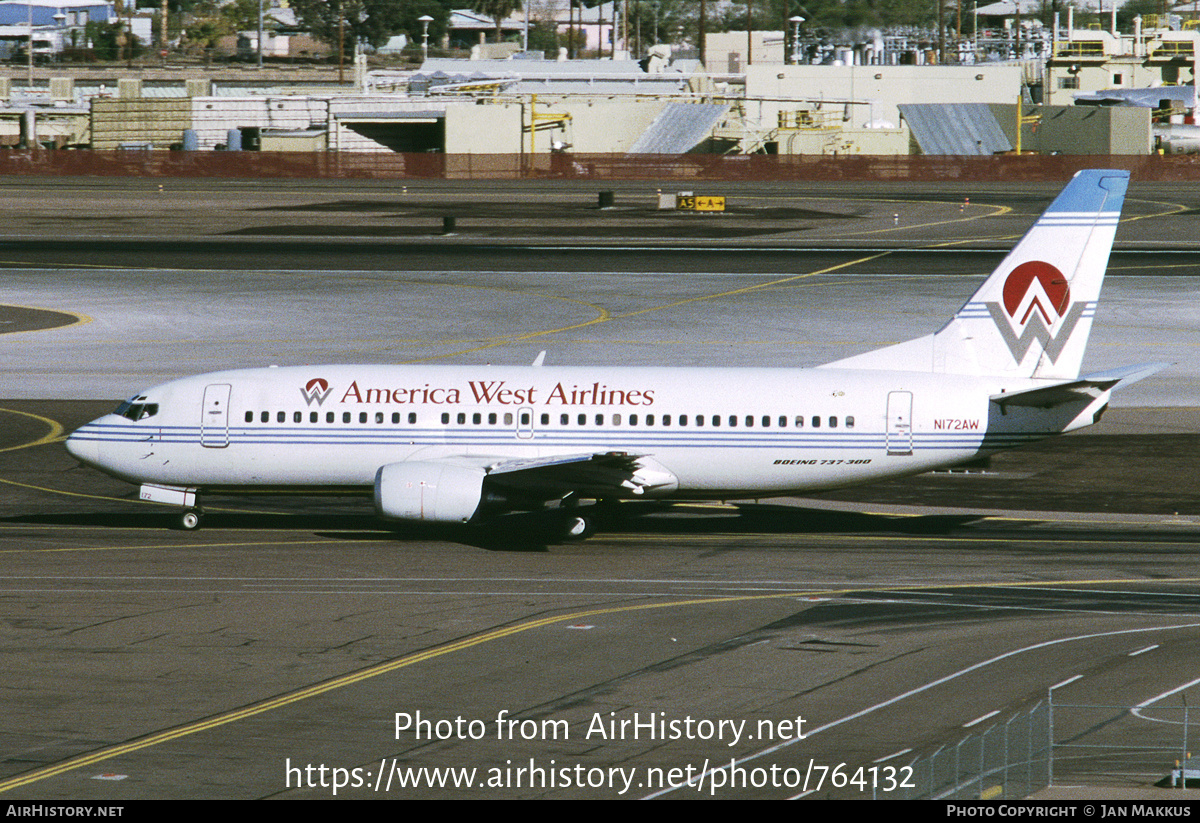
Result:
x=316 y=390
x=1036 y=307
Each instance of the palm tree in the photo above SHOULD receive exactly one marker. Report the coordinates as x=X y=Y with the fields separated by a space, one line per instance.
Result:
x=498 y=10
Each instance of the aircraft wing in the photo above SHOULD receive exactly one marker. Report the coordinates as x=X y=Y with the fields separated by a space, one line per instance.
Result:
x=1088 y=387
x=588 y=475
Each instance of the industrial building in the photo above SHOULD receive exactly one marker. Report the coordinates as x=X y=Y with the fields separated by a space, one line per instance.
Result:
x=757 y=95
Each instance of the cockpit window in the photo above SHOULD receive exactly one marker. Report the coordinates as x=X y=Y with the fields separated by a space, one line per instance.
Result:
x=136 y=410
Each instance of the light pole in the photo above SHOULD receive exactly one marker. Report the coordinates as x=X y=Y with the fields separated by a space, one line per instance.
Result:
x=29 y=46
x=796 y=21
x=425 y=21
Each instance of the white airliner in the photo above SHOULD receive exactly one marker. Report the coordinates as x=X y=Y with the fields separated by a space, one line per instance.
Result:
x=456 y=444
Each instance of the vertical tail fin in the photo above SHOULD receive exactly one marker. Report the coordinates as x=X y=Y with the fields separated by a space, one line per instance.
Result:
x=1033 y=315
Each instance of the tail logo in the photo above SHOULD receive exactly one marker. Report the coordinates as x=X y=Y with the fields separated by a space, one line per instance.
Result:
x=316 y=390
x=1036 y=307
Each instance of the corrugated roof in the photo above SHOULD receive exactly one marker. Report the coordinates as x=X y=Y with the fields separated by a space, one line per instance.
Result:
x=955 y=128
x=679 y=127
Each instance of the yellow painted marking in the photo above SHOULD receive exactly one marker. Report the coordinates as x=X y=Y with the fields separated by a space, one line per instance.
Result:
x=607 y=317
x=353 y=678
x=55 y=434
x=80 y=319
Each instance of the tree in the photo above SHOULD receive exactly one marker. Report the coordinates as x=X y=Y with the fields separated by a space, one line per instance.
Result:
x=498 y=10
x=366 y=21
x=105 y=39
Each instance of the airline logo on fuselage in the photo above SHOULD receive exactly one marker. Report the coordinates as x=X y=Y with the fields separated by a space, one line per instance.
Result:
x=315 y=391
x=482 y=393
x=1036 y=307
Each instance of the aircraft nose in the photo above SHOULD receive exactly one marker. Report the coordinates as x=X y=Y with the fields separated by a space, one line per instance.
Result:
x=85 y=450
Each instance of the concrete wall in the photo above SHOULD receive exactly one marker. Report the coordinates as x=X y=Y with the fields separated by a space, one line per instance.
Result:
x=1080 y=129
x=594 y=125
x=484 y=129
x=845 y=141
x=886 y=86
x=159 y=122
x=726 y=50
x=609 y=126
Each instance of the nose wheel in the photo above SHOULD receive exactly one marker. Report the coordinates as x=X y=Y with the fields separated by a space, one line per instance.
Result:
x=189 y=520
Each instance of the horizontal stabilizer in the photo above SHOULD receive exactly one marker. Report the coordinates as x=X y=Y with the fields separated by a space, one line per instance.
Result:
x=1085 y=388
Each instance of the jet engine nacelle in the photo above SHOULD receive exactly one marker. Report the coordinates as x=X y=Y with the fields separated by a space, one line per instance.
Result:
x=437 y=492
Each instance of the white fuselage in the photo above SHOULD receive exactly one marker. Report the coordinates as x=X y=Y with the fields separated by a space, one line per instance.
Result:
x=724 y=432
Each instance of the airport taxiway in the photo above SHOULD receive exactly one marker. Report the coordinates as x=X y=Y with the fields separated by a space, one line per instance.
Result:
x=288 y=634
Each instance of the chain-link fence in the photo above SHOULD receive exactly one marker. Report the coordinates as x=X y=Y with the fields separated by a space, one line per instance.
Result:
x=1102 y=745
x=1007 y=760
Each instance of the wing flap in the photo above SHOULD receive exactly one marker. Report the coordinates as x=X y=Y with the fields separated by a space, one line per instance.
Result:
x=607 y=474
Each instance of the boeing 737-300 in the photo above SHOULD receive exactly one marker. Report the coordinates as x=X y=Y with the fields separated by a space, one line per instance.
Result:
x=459 y=444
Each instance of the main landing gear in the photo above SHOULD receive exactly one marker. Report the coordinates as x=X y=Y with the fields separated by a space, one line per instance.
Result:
x=573 y=527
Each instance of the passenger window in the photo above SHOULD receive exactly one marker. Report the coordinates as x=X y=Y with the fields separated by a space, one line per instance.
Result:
x=583 y=419
x=799 y=422
x=816 y=422
x=508 y=418
x=616 y=419
x=564 y=419
x=545 y=420
x=699 y=420
x=265 y=417
x=329 y=418
x=850 y=422
x=445 y=418
x=312 y=417
x=633 y=419
x=666 y=419
x=477 y=418
x=297 y=417
x=766 y=421
x=345 y=417
x=462 y=418
x=683 y=419
x=249 y=417
x=716 y=421
x=599 y=420
x=649 y=420
x=732 y=420
x=832 y=422
x=362 y=417
x=378 y=418
x=492 y=419
x=395 y=418
x=782 y=422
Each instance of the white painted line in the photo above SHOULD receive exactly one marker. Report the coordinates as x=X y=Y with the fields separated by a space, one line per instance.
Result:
x=1157 y=698
x=933 y=684
x=1143 y=651
x=980 y=719
x=1071 y=679
x=892 y=756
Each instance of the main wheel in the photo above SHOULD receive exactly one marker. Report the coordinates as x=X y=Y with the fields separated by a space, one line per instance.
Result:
x=577 y=527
